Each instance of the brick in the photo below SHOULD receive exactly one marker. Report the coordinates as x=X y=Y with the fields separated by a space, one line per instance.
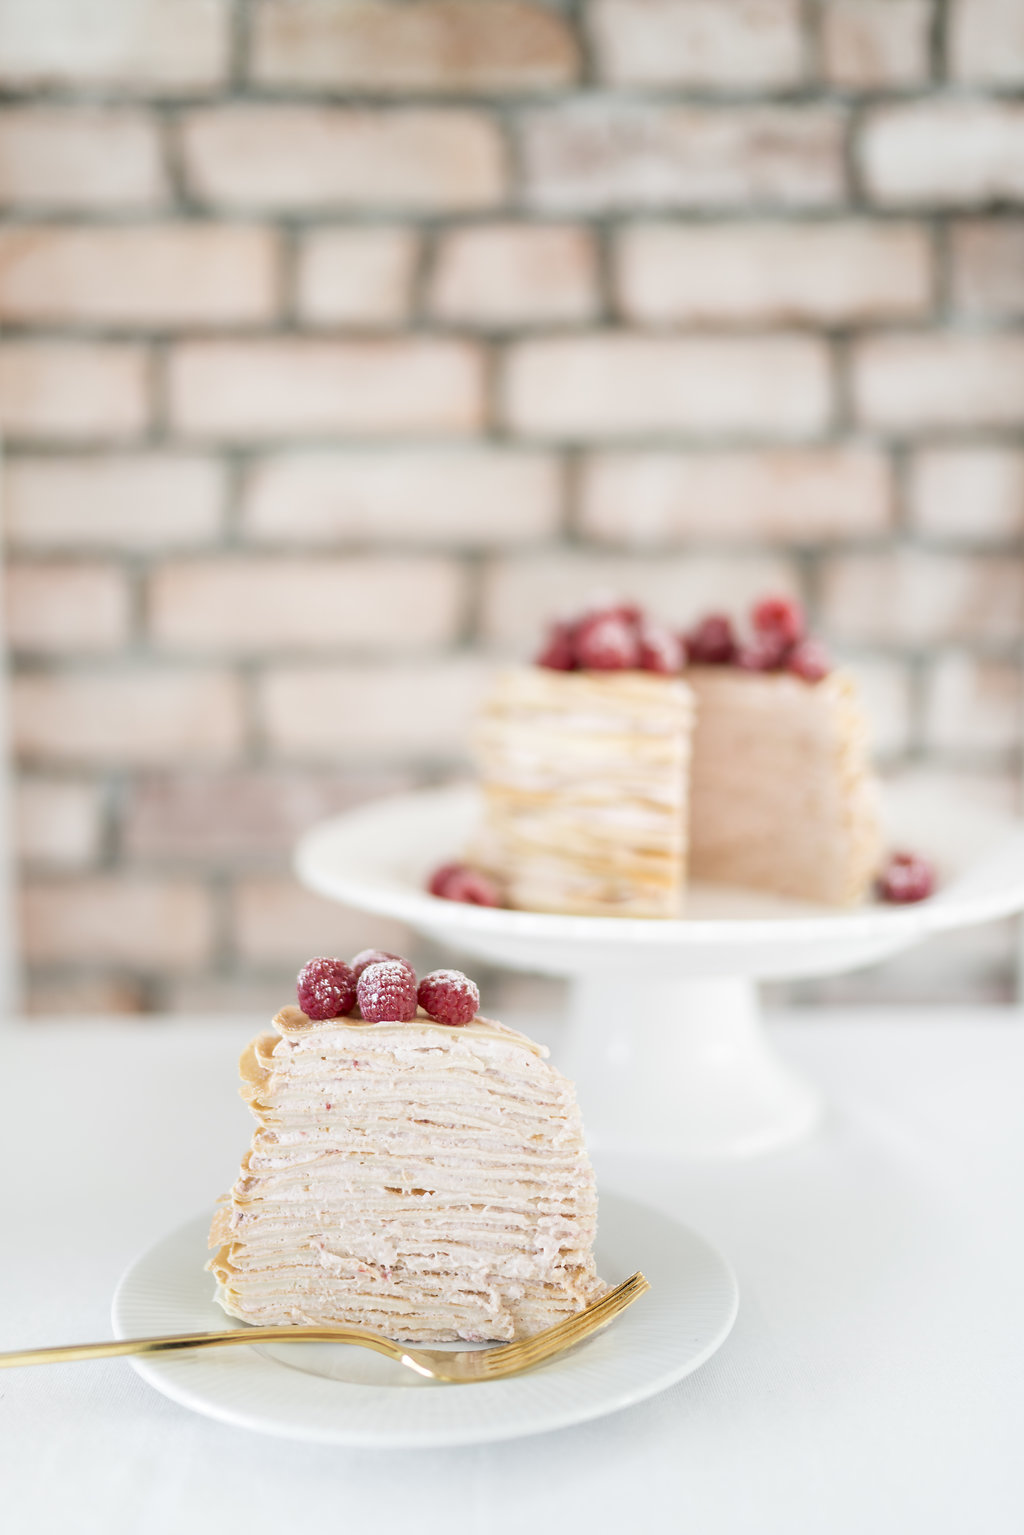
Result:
x=63 y=996
x=521 y=596
x=58 y=823
x=650 y=500
x=57 y=608
x=435 y=45
x=986 y=42
x=239 y=816
x=145 y=501
x=244 y=606
x=618 y=385
x=829 y=274
x=479 y=497
x=274 y=920
x=72 y=390
x=116 y=919
x=80 y=157
x=912 y=382
x=988 y=268
x=405 y=712
x=947 y=154
x=144 y=716
x=743 y=45
x=157 y=47
x=973 y=494
x=242 y=389
x=507 y=274
x=973 y=706
x=158 y=275
x=319 y=158
x=920 y=597
x=885 y=689
x=602 y=155
x=357 y=277
x=876 y=44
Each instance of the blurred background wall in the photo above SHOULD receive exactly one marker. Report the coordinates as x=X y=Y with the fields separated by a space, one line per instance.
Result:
x=343 y=342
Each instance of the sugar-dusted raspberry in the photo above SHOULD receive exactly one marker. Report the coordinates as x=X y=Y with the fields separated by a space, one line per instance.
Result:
x=559 y=652
x=607 y=642
x=326 y=988
x=376 y=957
x=449 y=997
x=387 y=992
x=458 y=882
x=765 y=653
x=809 y=660
x=712 y=642
x=782 y=616
x=906 y=877
x=660 y=649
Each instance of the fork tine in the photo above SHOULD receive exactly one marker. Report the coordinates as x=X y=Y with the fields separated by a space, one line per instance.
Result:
x=529 y=1351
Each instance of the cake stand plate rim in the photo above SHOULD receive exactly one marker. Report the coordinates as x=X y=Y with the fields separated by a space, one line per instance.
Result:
x=319 y=867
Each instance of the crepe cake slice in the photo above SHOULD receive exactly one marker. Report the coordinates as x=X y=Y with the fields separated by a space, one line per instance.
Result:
x=584 y=778
x=426 y=1182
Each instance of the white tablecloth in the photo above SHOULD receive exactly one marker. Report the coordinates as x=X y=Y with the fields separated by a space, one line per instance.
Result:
x=874 y=1381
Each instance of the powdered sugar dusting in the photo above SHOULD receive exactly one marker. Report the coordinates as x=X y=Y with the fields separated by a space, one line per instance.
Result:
x=387 y=992
x=449 y=997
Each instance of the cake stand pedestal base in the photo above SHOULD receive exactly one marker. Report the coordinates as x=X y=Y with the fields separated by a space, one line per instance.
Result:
x=680 y=1068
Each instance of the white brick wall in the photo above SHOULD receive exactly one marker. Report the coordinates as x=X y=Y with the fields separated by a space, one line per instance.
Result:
x=344 y=344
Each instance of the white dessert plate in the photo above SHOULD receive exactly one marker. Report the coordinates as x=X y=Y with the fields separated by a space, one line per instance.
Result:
x=331 y=1394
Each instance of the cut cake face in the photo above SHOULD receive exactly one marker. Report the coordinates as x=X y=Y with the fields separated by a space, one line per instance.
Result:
x=782 y=793
x=425 y=1182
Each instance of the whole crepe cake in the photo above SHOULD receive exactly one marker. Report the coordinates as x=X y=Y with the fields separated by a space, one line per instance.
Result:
x=417 y=1170
x=628 y=761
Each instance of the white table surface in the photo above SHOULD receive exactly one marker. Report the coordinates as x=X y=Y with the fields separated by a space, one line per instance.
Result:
x=874 y=1382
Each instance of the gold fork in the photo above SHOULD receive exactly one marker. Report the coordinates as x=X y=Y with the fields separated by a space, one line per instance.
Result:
x=460 y=1367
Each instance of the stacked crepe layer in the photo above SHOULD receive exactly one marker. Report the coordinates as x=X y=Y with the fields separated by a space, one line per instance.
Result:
x=426 y=1182
x=584 y=782
x=782 y=793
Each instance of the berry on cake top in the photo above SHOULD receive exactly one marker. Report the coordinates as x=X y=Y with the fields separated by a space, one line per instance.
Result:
x=378 y=987
x=621 y=637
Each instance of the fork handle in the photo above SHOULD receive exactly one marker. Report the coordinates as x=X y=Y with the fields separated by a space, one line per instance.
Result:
x=171 y=1343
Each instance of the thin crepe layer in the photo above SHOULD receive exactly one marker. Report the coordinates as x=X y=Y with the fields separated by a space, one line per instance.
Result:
x=425 y=1182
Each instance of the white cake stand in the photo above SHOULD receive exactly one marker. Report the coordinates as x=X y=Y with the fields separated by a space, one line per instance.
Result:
x=665 y=1038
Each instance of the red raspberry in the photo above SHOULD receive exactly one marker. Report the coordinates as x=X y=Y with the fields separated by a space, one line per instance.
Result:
x=376 y=957
x=449 y=997
x=438 y=881
x=387 y=992
x=660 y=649
x=765 y=653
x=906 y=878
x=462 y=883
x=558 y=653
x=809 y=660
x=712 y=642
x=782 y=616
x=326 y=988
x=607 y=642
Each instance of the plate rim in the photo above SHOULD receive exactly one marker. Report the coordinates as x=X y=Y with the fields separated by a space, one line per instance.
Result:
x=160 y=1372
